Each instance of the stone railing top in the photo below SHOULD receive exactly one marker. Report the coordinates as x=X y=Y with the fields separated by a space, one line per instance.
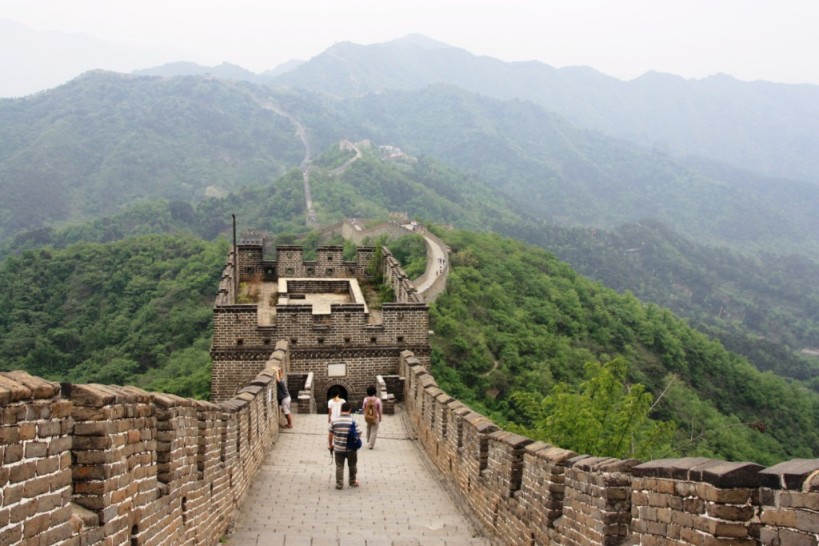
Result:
x=234 y=404
x=552 y=454
x=722 y=474
x=515 y=441
x=18 y=385
x=427 y=381
x=97 y=396
x=603 y=464
x=480 y=423
x=802 y=474
x=251 y=389
x=164 y=400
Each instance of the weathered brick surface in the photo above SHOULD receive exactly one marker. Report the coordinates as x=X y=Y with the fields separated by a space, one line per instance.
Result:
x=96 y=464
x=528 y=492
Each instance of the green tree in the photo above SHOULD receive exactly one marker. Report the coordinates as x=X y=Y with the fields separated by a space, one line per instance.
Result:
x=603 y=416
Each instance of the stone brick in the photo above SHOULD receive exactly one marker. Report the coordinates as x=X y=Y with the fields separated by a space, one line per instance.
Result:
x=36 y=486
x=22 y=511
x=49 y=429
x=788 y=537
x=13 y=454
x=807 y=521
x=36 y=449
x=22 y=472
x=798 y=499
x=780 y=518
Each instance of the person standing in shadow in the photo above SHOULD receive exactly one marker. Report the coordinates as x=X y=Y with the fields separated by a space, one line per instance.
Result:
x=284 y=398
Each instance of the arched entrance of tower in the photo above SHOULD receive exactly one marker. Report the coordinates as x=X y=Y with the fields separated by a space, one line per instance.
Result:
x=341 y=389
x=347 y=391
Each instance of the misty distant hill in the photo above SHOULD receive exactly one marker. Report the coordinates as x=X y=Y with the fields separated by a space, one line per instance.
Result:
x=105 y=140
x=34 y=60
x=225 y=71
x=765 y=127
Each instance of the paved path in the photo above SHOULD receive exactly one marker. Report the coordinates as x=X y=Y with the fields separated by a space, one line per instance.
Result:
x=293 y=500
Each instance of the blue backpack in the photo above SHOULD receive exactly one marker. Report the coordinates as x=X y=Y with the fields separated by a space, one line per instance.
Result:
x=353 y=441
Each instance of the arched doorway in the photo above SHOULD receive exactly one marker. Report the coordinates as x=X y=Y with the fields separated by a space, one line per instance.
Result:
x=342 y=392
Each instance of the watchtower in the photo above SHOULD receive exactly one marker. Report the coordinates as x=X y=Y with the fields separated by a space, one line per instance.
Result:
x=321 y=309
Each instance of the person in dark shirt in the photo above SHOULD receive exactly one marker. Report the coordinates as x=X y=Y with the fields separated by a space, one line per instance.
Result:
x=284 y=398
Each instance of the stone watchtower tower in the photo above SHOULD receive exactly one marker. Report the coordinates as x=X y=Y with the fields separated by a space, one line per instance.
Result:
x=320 y=310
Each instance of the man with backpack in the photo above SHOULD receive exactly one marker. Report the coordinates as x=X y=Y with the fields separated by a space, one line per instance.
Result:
x=344 y=443
x=371 y=407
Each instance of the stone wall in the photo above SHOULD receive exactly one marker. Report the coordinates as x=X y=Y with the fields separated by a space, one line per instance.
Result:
x=94 y=464
x=358 y=235
x=439 y=284
x=395 y=278
x=528 y=492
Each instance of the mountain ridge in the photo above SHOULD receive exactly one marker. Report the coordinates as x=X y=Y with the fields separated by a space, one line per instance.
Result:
x=748 y=124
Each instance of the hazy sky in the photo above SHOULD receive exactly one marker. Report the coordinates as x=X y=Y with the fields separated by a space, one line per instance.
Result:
x=749 y=39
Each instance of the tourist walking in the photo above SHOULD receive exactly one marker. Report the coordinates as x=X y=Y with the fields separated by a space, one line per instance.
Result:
x=337 y=439
x=371 y=408
x=334 y=405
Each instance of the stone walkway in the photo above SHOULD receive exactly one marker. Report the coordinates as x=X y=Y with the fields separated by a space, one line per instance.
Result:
x=293 y=499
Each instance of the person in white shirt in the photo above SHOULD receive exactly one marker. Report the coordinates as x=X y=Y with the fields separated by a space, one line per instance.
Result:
x=334 y=405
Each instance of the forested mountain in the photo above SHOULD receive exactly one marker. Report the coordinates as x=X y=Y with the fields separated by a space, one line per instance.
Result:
x=514 y=319
x=104 y=140
x=225 y=71
x=763 y=307
x=768 y=128
x=117 y=190
x=137 y=311
x=560 y=174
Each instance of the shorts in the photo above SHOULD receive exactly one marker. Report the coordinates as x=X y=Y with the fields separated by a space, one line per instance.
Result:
x=286 y=405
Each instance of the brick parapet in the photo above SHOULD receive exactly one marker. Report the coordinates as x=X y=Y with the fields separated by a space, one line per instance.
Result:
x=527 y=492
x=789 y=503
x=97 y=464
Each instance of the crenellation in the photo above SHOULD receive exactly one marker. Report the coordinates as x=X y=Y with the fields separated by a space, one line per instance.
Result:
x=97 y=464
x=527 y=492
x=342 y=344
